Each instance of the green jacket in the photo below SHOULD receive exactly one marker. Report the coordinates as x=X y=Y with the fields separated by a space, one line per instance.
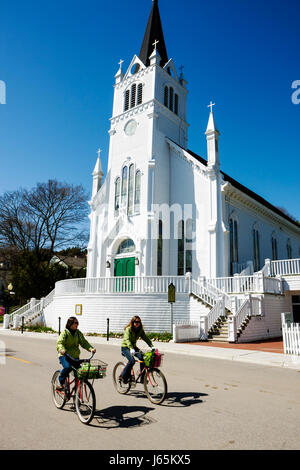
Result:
x=130 y=338
x=70 y=343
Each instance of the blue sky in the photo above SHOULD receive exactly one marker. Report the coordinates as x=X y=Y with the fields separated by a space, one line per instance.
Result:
x=58 y=60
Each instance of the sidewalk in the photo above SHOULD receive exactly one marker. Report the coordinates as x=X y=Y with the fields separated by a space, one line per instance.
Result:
x=251 y=353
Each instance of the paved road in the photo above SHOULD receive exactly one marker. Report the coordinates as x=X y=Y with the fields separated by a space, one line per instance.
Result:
x=212 y=404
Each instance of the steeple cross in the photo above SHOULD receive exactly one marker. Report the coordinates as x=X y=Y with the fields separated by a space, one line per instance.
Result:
x=211 y=105
x=99 y=152
x=120 y=63
x=155 y=44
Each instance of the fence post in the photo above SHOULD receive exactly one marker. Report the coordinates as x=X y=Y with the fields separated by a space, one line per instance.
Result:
x=59 y=325
x=107 y=330
x=203 y=327
x=232 y=328
x=22 y=325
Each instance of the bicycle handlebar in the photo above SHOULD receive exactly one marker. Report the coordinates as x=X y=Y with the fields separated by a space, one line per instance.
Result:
x=80 y=360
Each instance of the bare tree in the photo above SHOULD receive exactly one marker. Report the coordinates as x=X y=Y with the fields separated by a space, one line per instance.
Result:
x=48 y=217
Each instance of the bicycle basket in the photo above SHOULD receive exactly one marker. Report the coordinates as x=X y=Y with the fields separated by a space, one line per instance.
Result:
x=95 y=369
x=148 y=358
x=157 y=359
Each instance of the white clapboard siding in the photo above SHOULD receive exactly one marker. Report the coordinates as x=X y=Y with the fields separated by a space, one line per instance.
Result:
x=268 y=325
x=154 y=310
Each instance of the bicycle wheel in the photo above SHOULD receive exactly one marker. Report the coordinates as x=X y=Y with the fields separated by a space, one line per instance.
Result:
x=155 y=386
x=85 y=402
x=59 y=398
x=120 y=386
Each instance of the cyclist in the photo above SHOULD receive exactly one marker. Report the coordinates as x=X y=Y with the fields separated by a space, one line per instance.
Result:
x=133 y=331
x=68 y=342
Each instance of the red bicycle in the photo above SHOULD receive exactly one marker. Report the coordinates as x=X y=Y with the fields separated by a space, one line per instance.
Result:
x=78 y=388
x=155 y=384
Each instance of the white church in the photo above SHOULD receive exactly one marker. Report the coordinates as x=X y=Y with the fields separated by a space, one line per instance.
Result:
x=165 y=215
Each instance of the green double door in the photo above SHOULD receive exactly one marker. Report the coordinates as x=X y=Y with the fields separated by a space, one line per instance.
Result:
x=125 y=267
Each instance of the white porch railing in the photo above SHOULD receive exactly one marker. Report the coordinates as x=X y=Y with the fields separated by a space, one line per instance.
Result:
x=235 y=321
x=30 y=310
x=207 y=321
x=285 y=267
x=123 y=285
x=248 y=284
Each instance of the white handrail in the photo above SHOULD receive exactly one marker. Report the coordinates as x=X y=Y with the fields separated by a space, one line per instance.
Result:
x=285 y=267
x=123 y=285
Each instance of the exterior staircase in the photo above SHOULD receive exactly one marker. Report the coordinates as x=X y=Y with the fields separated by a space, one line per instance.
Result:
x=219 y=330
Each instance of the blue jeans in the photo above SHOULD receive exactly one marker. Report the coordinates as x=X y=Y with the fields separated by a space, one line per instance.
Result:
x=131 y=360
x=67 y=368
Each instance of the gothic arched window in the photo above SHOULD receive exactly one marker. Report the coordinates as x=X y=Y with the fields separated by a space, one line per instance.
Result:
x=159 y=248
x=124 y=185
x=256 y=251
x=180 y=253
x=171 y=100
x=130 y=190
x=127 y=246
x=166 y=97
x=117 y=195
x=274 y=248
x=137 y=197
x=234 y=248
x=188 y=246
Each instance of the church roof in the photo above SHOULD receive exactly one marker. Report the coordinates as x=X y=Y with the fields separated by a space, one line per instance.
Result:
x=248 y=191
x=154 y=32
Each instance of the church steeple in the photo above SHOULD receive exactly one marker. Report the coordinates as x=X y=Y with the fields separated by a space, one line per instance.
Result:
x=154 y=32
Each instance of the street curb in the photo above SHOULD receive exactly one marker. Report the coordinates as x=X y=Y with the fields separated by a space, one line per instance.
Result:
x=241 y=355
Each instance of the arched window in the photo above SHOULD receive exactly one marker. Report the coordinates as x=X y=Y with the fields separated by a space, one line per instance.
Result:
x=180 y=261
x=256 y=251
x=176 y=104
x=171 y=99
x=274 y=248
x=166 y=96
x=234 y=249
x=289 y=249
x=137 y=197
x=127 y=246
x=117 y=195
x=171 y=103
x=130 y=190
x=159 y=248
x=124 y=185
x=188 y=246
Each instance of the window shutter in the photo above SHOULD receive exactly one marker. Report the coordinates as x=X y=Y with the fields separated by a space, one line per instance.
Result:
x=126 y=104
x=140 y=94
x=133 y=96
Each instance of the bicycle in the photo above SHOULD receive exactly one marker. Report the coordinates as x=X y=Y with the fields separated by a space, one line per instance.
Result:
x=155 y=384
x=78 y=387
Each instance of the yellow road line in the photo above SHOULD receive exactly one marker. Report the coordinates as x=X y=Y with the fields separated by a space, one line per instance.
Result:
x=18 y=359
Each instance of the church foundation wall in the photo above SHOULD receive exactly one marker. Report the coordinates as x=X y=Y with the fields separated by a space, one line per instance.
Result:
x=154 y=310
x=268 y=325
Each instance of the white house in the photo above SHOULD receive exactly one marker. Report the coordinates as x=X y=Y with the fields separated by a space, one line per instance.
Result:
x=165 y=214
